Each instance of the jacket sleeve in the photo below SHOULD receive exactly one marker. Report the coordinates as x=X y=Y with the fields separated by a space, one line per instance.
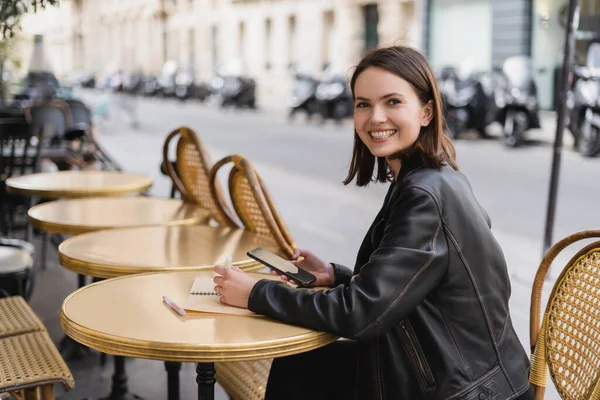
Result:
x=409 y=263
x=341 y=274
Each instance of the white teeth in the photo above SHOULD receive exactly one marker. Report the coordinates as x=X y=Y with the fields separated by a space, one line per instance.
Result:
x=382 y=134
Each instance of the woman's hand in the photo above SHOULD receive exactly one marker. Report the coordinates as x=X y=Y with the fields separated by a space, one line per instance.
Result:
x=322 y=270
x=234 y=286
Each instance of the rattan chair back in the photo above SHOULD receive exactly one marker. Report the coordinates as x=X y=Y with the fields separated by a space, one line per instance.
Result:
x=252 y=202
x=190 y=175
x=567 y=343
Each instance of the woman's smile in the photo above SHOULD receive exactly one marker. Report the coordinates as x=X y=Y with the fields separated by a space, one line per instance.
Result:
x=380 y=136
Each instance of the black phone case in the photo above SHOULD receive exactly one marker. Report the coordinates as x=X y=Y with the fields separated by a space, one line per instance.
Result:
x=295 y=278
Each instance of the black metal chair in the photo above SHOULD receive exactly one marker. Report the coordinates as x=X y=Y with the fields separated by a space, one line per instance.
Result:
x=82 y=127
x=55 y=114
x=19 y=149
x=17 y=275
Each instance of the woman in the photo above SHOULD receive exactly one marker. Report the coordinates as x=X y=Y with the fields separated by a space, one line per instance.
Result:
x=427 y=304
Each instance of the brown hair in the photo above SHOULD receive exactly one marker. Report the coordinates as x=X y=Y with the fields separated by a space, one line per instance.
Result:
x=432 y=146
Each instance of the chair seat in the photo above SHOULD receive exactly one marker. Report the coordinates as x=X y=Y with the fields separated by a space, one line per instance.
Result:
x=31 y=360
x=14 y=260
x=244 y=380
x=16 y=317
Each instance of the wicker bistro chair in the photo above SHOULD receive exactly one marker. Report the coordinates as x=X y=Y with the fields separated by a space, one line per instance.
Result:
x=30 y=361
x=190 y=175
x=247 y=380
x=16 y=317
x=568 y=341
x=252 y=202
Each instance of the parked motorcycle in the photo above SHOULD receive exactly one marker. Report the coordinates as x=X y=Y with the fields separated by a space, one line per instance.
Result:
x=517 y=100
x=234 y=90
x=334 y=98
x=184 y=85
x=467 y=103
x=304 y=95
x=150 y=86
x=584 y=104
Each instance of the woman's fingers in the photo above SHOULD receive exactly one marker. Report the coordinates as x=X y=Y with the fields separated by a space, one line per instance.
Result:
x=285 y=278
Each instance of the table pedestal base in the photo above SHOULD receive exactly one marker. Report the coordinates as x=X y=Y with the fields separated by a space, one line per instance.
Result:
x=119 y=389
x=206 y=381
x=172 y=379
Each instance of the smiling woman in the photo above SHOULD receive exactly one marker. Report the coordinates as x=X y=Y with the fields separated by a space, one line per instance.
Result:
x=397 y=112
x=426 y=307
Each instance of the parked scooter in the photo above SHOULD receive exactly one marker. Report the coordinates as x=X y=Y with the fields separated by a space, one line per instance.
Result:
x=584 y=104
x=518 y=102
x=150 y=86
x=184 y=85
x=334 y=97
x=467 y=105
x=304 y=94
x=234 y=90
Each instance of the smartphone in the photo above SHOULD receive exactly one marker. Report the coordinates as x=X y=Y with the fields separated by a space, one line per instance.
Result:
x=284 y=267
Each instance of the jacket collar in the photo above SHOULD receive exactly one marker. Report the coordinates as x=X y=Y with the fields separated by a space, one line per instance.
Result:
x=410 y=164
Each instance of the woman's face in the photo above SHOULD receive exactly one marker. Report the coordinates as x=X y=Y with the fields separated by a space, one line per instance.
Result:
x=388 y=114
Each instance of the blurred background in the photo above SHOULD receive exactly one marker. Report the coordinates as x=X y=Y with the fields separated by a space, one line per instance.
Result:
x=268 y=79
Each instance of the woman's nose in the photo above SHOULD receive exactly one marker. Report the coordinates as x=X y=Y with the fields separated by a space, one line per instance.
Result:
x=378 y=115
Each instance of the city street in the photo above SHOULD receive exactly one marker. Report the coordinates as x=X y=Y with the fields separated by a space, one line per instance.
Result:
x=303 y=166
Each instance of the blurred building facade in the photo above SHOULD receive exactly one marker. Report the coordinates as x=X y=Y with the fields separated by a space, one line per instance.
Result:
x=266 y=37
x=489 y=31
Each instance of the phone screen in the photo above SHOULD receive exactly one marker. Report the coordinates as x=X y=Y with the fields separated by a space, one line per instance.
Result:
x=282 y=266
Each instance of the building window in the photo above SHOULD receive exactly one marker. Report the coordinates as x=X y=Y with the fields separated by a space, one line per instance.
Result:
x=215 y=48
x=268 y=43
x=291 y=40
x=327 y=39
x=371 y=19
x=242 y=42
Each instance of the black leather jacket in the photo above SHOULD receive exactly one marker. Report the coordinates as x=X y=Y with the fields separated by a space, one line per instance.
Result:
x=428 y=300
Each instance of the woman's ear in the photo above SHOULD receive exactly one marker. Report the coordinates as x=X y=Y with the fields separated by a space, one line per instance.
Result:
x=427 y=113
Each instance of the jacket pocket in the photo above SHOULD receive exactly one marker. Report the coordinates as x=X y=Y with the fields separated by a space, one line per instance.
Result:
x=416 y=356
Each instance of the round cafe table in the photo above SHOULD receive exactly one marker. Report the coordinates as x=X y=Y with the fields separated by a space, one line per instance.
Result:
x=78 y=184
x=76 y=216
x=126 y=316
x=118 y=252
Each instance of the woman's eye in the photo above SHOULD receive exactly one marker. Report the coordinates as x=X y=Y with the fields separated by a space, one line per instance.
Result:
x=394 y=101
x=362 y=104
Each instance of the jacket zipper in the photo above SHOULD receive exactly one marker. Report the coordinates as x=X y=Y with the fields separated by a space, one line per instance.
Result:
x=416 y=357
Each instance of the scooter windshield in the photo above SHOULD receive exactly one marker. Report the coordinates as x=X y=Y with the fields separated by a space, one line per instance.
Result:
x=517 y=71
x=593 y=59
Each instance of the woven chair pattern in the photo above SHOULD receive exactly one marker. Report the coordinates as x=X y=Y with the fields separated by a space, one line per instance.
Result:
x=17 y=317
x=246 y=206
x=573 y=332
x=567 y=343
x=192 y=176
x=31 y=360
x=252 y=203
x=244 y=380
x=257 y=212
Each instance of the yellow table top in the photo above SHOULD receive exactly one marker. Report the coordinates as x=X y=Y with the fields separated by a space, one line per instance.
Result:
x=118 y=252
x=126 y=316
x=78 y=184
x=75 y=216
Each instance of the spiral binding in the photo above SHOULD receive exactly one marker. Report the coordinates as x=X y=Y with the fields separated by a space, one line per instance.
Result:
x=205 y=293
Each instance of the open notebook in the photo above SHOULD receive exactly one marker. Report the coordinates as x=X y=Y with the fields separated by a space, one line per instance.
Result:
x=203 y=299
